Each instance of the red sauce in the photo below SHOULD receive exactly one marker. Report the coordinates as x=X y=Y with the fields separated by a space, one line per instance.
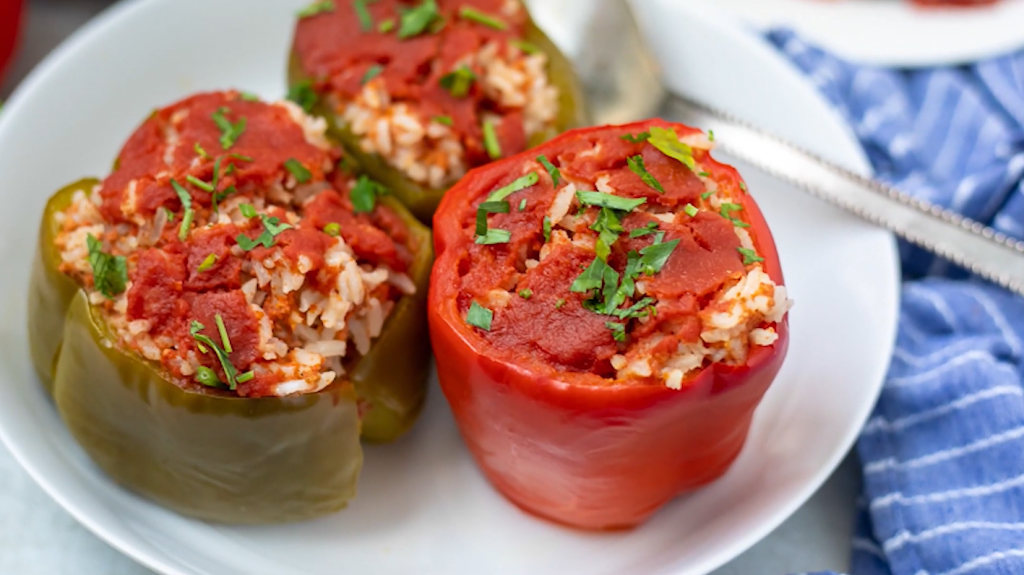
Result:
x=552 y=325
x=334 y=49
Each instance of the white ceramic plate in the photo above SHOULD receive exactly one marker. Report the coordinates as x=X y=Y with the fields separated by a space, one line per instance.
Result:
x=893 y=32
x=422 y=506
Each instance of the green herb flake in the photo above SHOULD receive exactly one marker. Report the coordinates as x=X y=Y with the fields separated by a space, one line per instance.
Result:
x=592 y=277
x=109 y=272
x=249 y=96
x=556 y=176
x=559 y=304
x=170 y=215
x=333 y=229
x=654 y=256
x=636 y=165
x=608 y=226
x=526 y=47
x=223 y=331
x=707 y=195
x=522 y=204
x=604 y=200
x=365 y=20
x=458 y=81
x=667 y=142
x=618 y=330
x=364 y=194
x=445 y=120
x=386 y=26
x=229 y=133
x=641 y=137
x=205 y=186
x=743 y=186
x=749 y=256
x=526 y=293
x=704 y=174
x=304 y=95
x=316 y=8
x=479 y=316
x=247 y=210
x=494 y=236
x=711 y=135
x=650 y=228
x=204 y=343
x=200 y=151
x=520 y=183
x=415 y=21
x=690 y=210
x=491 y=143
x=547 y=228
x=302 y=175
x=470 y=13
x=371 y=73
x=207 y=377
x=183 y=195
x=489 y=207
x=207 y=263
x=272 y=227
x=727 y=208
x=186 y=224
x=247 y=376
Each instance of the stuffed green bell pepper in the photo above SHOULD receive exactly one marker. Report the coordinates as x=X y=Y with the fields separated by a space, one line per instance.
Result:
x=421 y=92
x=219 y=319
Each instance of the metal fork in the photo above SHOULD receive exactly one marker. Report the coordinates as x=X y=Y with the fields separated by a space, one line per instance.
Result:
x=623 y=83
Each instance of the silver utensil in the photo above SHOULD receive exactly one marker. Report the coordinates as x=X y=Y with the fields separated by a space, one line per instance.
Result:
x=623 y=81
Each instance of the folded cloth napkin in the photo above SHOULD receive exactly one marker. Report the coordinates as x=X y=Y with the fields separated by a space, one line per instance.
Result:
x=943 y=451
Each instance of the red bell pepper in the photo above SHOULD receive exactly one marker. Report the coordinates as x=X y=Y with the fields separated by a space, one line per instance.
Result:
x=10 y=31
x=556 y=444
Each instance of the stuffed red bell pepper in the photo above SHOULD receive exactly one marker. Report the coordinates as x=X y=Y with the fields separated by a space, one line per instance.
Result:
x=607 y=311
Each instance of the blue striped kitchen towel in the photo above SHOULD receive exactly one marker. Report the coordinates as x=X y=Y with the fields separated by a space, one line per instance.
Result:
x=943 y=452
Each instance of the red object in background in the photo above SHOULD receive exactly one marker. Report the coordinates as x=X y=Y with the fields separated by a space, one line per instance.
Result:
x=10 y=28
x=953 y=2
x=590 y=456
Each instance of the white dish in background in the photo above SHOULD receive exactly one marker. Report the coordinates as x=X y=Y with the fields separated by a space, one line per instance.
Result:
x=422 y=506
x=892 y=32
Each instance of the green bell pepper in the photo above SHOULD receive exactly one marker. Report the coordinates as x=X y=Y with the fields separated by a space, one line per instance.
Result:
x=208 y=453
x=422 y=200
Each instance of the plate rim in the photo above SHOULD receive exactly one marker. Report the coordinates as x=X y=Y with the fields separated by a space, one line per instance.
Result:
x=97 y=26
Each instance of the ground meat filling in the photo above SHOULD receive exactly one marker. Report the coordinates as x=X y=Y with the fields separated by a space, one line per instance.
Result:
x=626 y=256
x=435 y=88
x=227 y=247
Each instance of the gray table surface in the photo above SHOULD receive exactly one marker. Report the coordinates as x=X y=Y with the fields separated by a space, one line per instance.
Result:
x=38 y=538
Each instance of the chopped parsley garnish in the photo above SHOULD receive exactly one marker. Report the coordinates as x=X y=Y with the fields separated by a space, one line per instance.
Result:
x=203 y=342
x=618 y=330
x=489 y=207
x=604 y=200
x=458 y=81
x=316 y=8
x=229 y=133
x=608 y=226
x=446 y=120
x=247 y=210
x=711 y=135
x=690 y=210
x=641 y=137
x=207 y=377
x=207 y=263
x=559 y=304
x=199 y=150
x=727 y=208
x=333 y=229
x=522 y=204
x=365 y=20
x=479 y=316
x=386 y=26
x=249 y=96
x=650 y=228
x=654 y=256
x=372 y=72
x=704 y=174
x=667 y=142
x=302 y=175
x=743 y=186
x=526 y=293
x=547 y=228
x=749 y=256
x=169 y=214
x=186 y=202
x=205 y=186
x=186 y=224
x=494 y=236
x=491 y=143
x=247 y=376
x=707 y=195
x=304 y=95
x=109 y=272
x=520 y=183
x=592 y=277
x=636 y=165
x=556 y=176
x=415 y=21
x=364 y=194
x=223 y=333
x=470 y=13
x=272 y=227
x=526 y=47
